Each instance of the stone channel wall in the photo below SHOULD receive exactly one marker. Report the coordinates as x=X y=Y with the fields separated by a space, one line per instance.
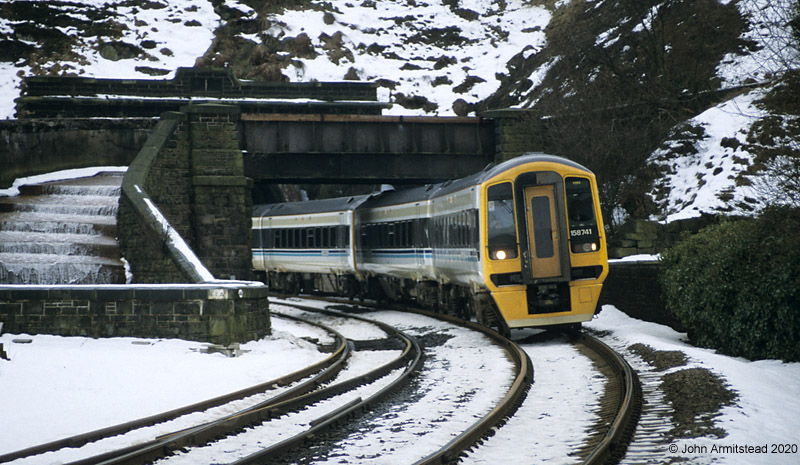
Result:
x=31 y=147
x=208 y=313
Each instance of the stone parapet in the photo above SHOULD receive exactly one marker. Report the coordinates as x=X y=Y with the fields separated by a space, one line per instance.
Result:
x=66 y=96
x=220 y=314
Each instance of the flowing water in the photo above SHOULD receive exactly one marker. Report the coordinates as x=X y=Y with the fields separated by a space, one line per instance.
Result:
x=62 y=232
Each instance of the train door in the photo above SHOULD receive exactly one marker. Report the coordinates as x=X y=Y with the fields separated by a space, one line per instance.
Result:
x=543 y=238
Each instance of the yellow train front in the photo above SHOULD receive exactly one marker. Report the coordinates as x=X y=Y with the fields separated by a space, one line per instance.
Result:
x=543 y=244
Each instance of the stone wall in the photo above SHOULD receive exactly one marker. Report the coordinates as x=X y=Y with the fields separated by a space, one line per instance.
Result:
x=650 y=237
x=516 y=132
x=192 y=170
x=220 y=315
x=633 y=288
x=31 y=147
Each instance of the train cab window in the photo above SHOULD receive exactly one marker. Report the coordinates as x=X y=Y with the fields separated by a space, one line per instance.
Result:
x=502 y=238
x=583 y=231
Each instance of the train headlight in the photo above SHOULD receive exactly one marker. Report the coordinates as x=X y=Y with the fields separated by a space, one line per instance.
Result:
x=585 y=247
x=505 y=252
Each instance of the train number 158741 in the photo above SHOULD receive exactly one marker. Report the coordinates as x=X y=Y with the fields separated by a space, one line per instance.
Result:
x=581 y=232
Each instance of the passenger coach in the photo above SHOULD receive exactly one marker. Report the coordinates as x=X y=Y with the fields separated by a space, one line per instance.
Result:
x=519 y=244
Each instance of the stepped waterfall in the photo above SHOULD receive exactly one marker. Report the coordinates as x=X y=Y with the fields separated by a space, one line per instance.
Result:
x=62 y=232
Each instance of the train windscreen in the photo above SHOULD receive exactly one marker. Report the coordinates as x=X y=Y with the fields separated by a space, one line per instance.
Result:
x=583 y=232
x=502 y=239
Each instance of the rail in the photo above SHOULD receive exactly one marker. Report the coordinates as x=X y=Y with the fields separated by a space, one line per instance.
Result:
x=625 y=406
x=271 y=408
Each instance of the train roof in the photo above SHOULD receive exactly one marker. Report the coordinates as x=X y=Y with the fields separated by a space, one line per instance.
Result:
x=311 y=206
x=431 y=191
x=416 y=194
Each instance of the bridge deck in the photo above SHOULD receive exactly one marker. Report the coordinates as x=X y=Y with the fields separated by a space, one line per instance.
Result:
x=289 y=148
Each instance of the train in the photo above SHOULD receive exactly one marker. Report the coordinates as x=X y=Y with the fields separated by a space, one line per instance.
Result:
x=520 y=244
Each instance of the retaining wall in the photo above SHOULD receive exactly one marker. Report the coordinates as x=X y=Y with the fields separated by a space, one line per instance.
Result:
x=173 y=188
x=31 y=147
x=633 y=288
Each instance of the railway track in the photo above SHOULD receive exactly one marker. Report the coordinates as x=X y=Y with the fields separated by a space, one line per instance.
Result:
x=617 y=412
x=303 y=380
x=333 y=413
x=620 y=405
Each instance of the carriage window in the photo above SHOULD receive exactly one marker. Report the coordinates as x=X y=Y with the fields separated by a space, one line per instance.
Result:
x=502 y=239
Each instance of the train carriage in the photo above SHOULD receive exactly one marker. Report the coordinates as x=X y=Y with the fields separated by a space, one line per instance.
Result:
x=519 y=244
x=298 y=242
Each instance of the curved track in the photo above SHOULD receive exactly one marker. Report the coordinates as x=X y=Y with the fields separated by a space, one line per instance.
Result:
x=619 y=409
x=521 y=380
x=316 y=373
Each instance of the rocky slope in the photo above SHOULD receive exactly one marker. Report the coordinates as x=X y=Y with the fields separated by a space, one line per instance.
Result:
x=679 y=106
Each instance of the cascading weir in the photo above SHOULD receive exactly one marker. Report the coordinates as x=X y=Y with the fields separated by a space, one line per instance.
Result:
x=62 y=232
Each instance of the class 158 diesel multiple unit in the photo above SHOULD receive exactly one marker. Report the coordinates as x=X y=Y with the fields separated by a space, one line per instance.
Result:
x=520 y=244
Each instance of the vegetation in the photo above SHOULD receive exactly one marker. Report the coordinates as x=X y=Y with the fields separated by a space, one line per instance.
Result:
x=620 y=75
x=736 y=286
x=775 y=140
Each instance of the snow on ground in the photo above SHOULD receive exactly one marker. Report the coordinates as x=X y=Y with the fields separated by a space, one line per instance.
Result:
x=696 y=180
x=59 y=386
x=704 y=181
x=182 y=30
x=565 y=382
x=775 y=48
x=89 y=383
x=413 y=43
x=767 y=411
x=405 y=32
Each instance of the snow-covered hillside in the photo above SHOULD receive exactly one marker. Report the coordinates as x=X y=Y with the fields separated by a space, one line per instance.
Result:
x=433 y=57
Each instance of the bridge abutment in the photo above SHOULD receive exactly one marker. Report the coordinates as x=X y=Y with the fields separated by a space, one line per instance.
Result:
x=221 y=200
x=192 y=169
